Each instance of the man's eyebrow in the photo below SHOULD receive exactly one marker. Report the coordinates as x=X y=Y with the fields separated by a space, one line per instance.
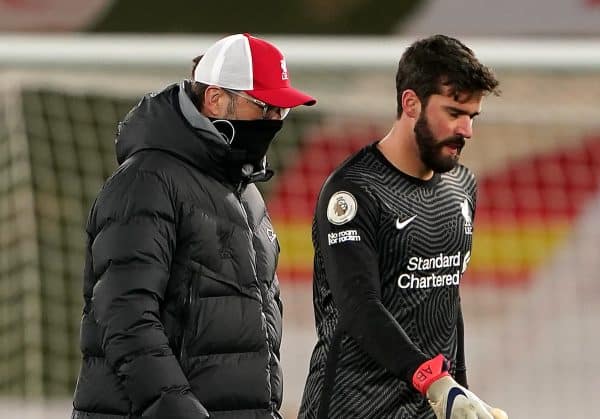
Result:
x=461 y=111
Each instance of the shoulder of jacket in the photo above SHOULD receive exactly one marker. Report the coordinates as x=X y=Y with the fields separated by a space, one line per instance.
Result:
x=162 y=163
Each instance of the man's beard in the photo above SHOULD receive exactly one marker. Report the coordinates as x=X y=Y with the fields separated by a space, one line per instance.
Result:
x=430 y=149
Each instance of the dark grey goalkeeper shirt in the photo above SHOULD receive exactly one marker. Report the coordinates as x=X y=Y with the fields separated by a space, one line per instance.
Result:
x=390 y=251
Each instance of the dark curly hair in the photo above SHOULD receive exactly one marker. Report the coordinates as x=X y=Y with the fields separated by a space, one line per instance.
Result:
x=431 y=63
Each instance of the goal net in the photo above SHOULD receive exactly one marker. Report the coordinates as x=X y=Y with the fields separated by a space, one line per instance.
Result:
x=528 y=294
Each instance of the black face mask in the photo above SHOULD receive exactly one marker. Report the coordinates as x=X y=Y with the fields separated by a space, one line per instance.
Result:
x=249 y=141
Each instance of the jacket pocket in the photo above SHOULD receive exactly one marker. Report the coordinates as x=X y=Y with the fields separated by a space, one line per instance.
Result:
x=204 y=284
x=207 y=283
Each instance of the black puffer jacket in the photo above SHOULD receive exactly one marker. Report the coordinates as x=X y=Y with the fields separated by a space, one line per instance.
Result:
x=182 y=315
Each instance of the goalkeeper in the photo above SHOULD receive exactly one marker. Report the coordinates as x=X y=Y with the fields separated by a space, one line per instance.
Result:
x=392 y=235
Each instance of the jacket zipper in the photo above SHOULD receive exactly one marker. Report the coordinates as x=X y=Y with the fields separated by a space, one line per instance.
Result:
x=188 y=302
x=238 y=194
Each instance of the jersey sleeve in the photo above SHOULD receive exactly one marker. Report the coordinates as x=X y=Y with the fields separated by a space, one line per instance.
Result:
x=346 y=229
x=460 y=370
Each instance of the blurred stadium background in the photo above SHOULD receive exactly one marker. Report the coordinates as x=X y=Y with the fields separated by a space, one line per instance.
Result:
x=531 y=295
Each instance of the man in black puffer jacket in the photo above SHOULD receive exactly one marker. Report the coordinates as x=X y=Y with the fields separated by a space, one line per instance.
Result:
x=182 y=314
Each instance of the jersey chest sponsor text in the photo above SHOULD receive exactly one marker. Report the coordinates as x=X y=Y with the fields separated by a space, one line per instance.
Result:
x=424 y=272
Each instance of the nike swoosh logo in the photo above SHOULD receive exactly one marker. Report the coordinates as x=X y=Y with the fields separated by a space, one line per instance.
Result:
x=452 y=394
x=401 y=225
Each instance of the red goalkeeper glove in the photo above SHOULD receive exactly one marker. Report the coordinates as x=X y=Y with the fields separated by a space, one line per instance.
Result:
x=448 y=399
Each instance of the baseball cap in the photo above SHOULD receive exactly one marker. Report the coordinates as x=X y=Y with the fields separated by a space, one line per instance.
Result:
x=244 y=62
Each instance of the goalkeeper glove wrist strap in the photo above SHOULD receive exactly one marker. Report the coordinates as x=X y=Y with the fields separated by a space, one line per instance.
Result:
x=430 y=371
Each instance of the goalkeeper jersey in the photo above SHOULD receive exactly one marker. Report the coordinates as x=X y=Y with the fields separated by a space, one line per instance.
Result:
x=390 y=251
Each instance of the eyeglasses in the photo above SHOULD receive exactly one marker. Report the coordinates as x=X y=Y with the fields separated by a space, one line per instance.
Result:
x=266 y=108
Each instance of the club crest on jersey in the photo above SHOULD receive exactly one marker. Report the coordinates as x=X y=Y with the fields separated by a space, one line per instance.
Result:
x=271 y=235
x=341 y=208
x=466 y=212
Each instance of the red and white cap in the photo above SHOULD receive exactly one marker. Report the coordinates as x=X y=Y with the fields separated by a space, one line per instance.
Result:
x=244 y=62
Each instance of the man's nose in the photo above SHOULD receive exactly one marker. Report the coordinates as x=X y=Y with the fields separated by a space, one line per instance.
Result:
x=465 y=127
